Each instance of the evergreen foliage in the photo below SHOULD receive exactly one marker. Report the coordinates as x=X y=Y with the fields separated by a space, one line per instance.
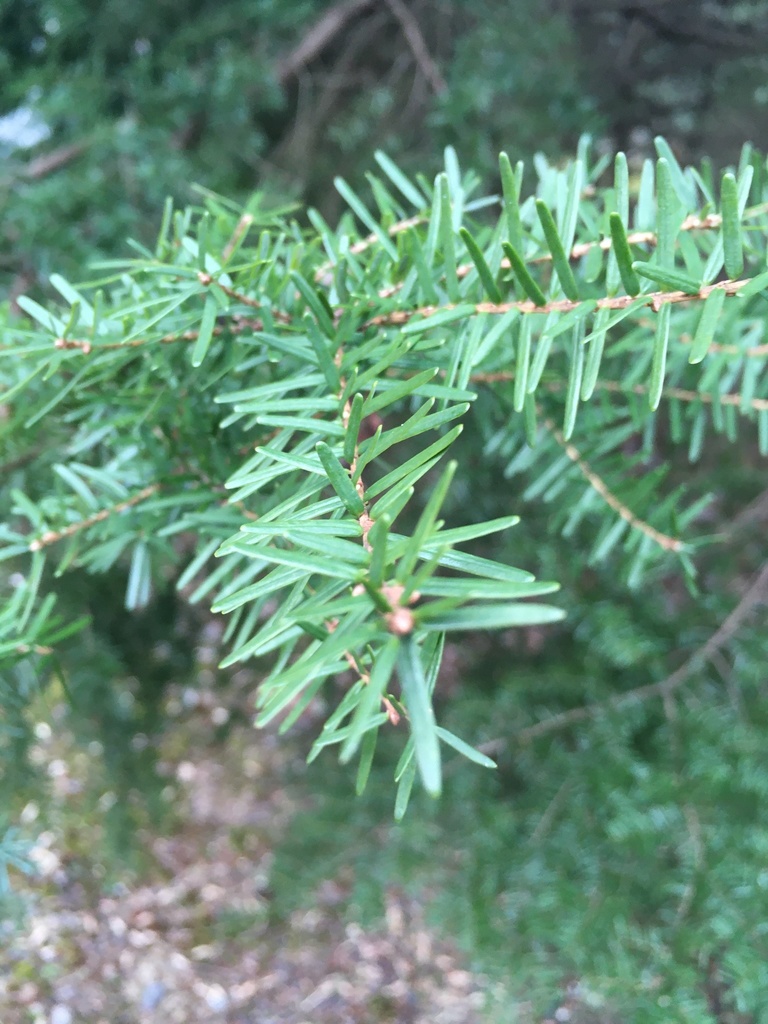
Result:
x=134 y=102
x=319 y=432
x=278 y=398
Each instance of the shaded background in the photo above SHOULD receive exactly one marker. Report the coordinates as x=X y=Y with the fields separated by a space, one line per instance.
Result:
x=554 y=875
x=109 y=107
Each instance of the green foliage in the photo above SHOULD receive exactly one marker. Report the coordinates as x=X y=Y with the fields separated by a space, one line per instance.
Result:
x=240 y=373
x=325 y=436
x=140 y=101
x=137 y=102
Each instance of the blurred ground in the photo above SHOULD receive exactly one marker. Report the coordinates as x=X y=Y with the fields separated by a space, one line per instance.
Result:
x=193 y=939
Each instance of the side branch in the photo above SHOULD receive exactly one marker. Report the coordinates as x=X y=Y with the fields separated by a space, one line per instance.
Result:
x=208 y=279
x=366 y=523
x=615 y=387
x=755 y=595
x=237 y=325
x=653 y=299
x=52 y=536
x=758 y=404
x=692 y=223
x=599 y=485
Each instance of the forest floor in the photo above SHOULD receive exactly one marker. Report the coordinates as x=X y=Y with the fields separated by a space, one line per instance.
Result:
x=191 y=938
x=192 y=932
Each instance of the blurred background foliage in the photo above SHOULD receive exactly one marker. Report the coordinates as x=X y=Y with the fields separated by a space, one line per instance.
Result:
x=629 y=850
x=106 y=107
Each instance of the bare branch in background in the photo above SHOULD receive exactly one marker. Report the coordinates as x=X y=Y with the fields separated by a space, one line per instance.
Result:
x=320 y=34
x=46 y=164
x=754 y=596
x=417 y=44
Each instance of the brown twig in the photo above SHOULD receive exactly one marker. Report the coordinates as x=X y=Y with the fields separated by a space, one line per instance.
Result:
x=392 y=713
x=415 y=39
x=692 y=223
x=758 y=404
x=755 y=512
x=550 y=812
x=653 y=299
x=237 y=325
x=46 y=164
x=599 y=485
x=319 y=36
x=241 y=228
x=52 y=536
x=366 y=523
x=753 y=352
x=207 y=279
x=754 y=596
x=21 y=460
x=616 y=387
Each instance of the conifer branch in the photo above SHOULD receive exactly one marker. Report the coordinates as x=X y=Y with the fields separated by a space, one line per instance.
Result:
x=616 y=387
x=706 y=397
x=655 y=300
x=236 y=325
x=241 y=229
x=397 y=318
x=308 y=402
x=692 y=223
x=52 y=536
x=598 y=484
x=208 y=279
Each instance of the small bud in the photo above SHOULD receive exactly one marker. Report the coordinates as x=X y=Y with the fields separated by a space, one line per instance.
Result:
x=400 y=622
